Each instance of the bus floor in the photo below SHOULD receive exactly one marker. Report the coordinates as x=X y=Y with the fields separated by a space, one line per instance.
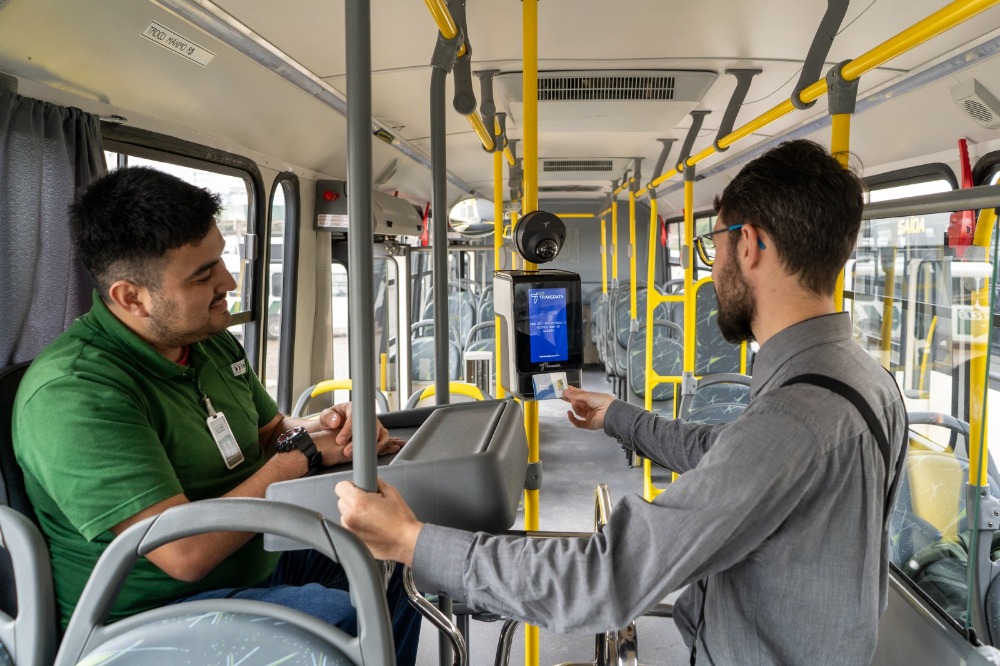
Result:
x=575 y=461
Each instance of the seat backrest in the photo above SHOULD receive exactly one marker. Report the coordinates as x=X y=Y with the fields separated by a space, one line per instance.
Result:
x=12 y=492
x=27 y=600
x=422 y=360
x=275 y=632
x=27 y=633
x=668 y=358
x=713 y=353
x=462 y=312
x=716 y=399
x=480 y=332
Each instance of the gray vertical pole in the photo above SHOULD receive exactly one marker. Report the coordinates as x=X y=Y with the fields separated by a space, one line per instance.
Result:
x=359 y=239
x=439 y=234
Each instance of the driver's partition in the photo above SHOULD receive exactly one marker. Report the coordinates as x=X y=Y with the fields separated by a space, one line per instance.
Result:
x=463 y=466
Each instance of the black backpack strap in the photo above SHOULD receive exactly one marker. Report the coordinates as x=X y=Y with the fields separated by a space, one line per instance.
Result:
x=865 y=409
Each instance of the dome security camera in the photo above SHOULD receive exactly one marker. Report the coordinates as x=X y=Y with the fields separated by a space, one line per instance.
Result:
x=538 y=236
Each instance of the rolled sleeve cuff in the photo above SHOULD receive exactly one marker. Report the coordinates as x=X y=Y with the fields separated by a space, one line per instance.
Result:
x=439 y=560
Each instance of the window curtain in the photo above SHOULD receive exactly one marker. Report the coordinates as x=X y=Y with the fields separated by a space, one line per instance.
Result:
x=48 y=154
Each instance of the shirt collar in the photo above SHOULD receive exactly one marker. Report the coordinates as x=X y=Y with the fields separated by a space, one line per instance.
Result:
x=137 y=349
x=792 y=341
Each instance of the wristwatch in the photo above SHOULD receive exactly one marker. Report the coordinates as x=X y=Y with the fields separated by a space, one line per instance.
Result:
x=298 y=439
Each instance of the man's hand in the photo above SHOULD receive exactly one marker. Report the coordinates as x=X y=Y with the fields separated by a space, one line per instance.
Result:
x=338 y=446
x=382 y=520
x=589 y=408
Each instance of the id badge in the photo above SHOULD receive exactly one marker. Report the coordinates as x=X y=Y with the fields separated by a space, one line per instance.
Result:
x=224 y=439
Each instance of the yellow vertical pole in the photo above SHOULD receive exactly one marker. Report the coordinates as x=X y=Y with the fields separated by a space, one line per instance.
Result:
x=651 y=302
x=632 y=252
x=383 y=371
x=604 y=254
x=515 y=258
x=840 y=147
x=978 y=379
x=687 y=260
x=529 y=37
x=497 y=249
x=614 y=239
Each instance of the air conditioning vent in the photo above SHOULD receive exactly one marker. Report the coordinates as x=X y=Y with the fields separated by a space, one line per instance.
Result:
x=616 y=87
x=594 y=100
x=560 y=166
x=548 y=189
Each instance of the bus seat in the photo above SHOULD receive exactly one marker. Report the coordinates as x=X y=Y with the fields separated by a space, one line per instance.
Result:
x=331 y=385
x=210 y=628
x=27 y=600
x=463 y=308
x=422 y=359
x=457 y=392
x=713 y=353
x=480 y=333
x=28 y=635
x=12 y=491
x=668 y=361
x=716 y=399
x=486 y=312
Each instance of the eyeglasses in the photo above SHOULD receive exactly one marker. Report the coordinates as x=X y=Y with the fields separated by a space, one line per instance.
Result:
x=705 y=244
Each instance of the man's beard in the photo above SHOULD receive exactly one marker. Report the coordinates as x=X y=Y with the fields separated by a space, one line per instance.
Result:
x=736 y=305
x=163 y=323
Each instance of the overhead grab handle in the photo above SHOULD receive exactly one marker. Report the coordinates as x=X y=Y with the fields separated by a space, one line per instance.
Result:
x=661 y=161
x=637 y=178
x=488 y=108
x=743 y=79
x=812 y=68
x=465 y=99
x=697 y=118
x=514 y=173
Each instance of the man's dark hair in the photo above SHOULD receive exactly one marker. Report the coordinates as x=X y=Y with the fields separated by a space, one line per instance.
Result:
x=807 y=203
x=125 y=222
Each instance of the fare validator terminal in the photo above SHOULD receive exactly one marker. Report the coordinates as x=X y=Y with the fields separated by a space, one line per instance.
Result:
x=541 y=315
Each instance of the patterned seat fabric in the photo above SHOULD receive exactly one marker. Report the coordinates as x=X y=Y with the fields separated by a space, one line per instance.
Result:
x=668 y=360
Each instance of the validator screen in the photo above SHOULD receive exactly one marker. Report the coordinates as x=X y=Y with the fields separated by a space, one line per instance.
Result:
x=547 y=325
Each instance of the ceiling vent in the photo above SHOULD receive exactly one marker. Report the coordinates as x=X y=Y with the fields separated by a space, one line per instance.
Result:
x=607 y=100
x=605 y=87
x=977 y=102
x=562 y=166
x=584 y=189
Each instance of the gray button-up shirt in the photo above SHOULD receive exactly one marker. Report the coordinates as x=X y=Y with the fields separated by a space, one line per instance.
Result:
x=780 y=511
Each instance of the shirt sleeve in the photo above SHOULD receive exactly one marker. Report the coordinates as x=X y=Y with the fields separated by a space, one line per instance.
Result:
x=72 y=419
x=671 y=443
x=711 y=518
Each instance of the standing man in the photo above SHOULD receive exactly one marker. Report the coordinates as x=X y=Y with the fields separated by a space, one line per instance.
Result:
x=777 y=523
x=147 y=402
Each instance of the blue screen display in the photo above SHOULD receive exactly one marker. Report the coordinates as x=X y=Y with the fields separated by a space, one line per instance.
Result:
x=547 y=325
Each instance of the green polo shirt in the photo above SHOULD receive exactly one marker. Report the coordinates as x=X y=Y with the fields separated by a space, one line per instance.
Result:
x=105 y=427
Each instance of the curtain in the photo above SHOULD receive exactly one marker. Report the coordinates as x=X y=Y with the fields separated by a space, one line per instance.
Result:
x=48 y=154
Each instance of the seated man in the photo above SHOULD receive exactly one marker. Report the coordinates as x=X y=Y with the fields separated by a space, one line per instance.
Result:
x=147 y=402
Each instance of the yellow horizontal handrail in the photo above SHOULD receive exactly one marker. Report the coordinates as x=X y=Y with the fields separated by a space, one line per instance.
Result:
x=480 y=129
x=582 y=216
x=458 y=388
x=938 y=22
x=446 y=24
x=328 y=385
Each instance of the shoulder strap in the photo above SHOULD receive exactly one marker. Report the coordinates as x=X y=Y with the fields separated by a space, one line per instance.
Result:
x=862 y=406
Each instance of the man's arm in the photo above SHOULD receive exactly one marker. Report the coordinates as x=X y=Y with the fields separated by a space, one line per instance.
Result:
x=671 y=443
x=191 y=559
x=333 y=426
